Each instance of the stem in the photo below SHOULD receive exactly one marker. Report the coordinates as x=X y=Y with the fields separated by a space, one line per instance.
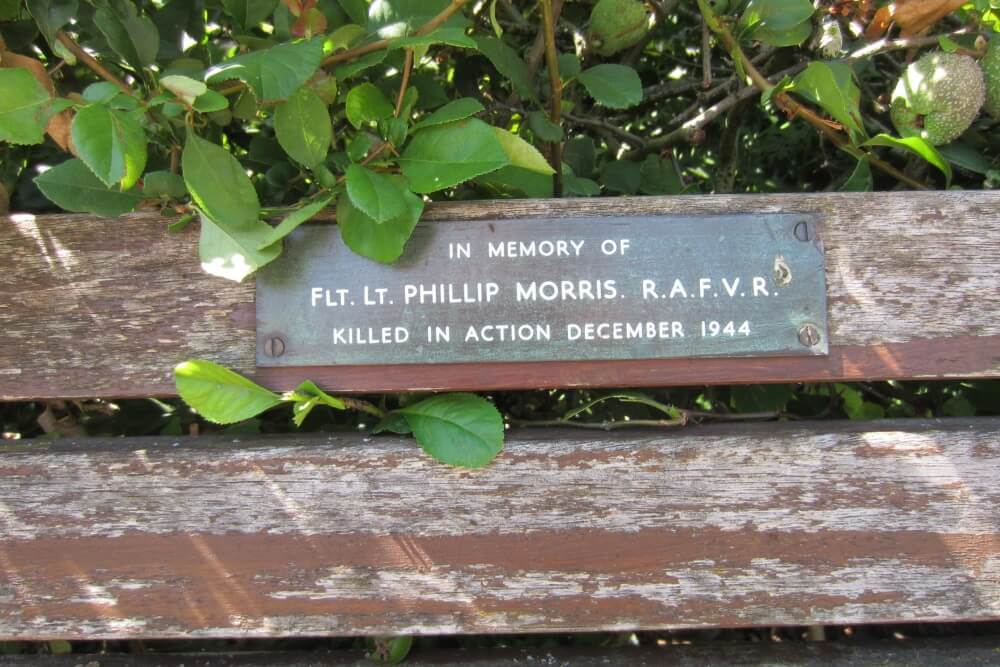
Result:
x=364 y=406
x=91 y=62
x=552 y=62
x=365 y=49
x=793 y=108
x=407 y=66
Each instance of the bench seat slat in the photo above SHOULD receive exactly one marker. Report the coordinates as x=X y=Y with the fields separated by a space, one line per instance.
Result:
x=737 y=525
x=93 y=307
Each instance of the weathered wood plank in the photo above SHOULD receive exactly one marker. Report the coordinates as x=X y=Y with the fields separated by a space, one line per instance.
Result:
x=106 y=308
x=788 y=524
x=956 y=651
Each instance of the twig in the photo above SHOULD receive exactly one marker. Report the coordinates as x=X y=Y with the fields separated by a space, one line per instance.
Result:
x=632 y=140
x=793 y=108
x=363 y=406
x=885 y=45
x=555 y=104
x=706 y=56
x=407 y=66
x=365 y=49
x=91 y=62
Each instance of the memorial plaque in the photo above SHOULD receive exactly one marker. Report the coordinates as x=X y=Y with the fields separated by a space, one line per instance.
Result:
x=538 y=289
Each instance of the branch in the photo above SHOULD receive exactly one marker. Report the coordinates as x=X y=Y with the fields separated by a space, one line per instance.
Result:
x=91 y=62
x=555 y=104
x=407 y=66
x=371 y=47
x=885 y=45
x=793 y=108
x=365 y=49
x=363 y=406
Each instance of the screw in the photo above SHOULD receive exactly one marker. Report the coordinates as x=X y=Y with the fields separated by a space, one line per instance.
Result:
x=274 y=346
x=802 y=231
x=809 y=335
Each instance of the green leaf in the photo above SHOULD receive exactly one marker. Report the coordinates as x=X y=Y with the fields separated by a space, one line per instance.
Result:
x=111 y=142
x=367 y=104
x=515 y=180
x=133 y=37
x=218 y=183
x=449 y=36
x=303 y=128
x=211 y=101
x=509 y=64
x=521 y=153
x=73 y=187
x=544 y=128
x=569 y=65
x=860 y=179
x=831 y=86
x=776 y=16
x=855 y=405
x=307 y=396
x=761 y=397
x=658 y=176
x=790 y=37
x=275 y=73
x=446 y=155
x=103 y=92
x=184 y=87
x=51 y=16
x=234 y=251
x=294 y=219
x=163 y=184
x=580 y=187
x=458 y=429
x=395 y=18
x=220 y=395
x=614 y=86
x=343 y=37
x=248 y=13
x=394 y=423
x=622 y=176
x=377 y=196
x=918 y=146
x=382 y=242
x=23 y=107
x=359 y=65
x=449 y=113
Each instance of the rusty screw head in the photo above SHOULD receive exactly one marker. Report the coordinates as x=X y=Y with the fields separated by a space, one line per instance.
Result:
x=802 y=231
x=274 y=346
x=809 y=335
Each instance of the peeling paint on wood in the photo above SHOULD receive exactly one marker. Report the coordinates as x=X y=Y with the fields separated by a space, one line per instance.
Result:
x=106 y=308
x=298 y=536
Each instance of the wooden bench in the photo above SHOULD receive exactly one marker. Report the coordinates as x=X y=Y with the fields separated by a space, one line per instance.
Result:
x=798 y=523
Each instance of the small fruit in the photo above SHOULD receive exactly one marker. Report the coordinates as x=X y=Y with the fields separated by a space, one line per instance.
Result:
x=991 y=74
x=938 y=97
x=617 y=25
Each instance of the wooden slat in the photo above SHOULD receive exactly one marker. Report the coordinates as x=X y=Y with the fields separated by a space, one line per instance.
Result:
x=788 y=524
x=956 y=651
x=106 y=308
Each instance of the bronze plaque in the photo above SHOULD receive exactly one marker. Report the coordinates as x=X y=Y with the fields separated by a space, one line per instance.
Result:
x=537 y=289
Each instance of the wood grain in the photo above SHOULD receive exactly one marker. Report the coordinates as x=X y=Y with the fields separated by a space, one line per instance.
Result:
x=789 y=524
x=93 y=307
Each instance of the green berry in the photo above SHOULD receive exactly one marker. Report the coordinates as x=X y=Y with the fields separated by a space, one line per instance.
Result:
x=617 y=25
x=938 y=97
x=991 y=74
